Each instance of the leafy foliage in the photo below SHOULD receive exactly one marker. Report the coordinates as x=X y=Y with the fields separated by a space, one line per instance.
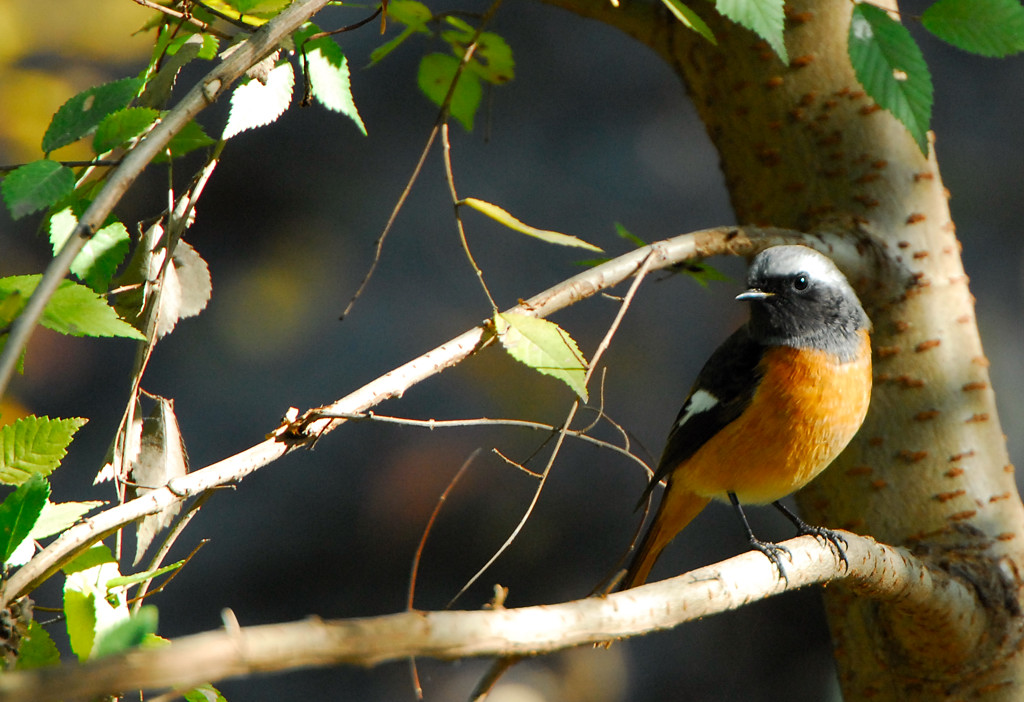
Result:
x=19 y=512
x=74 y=309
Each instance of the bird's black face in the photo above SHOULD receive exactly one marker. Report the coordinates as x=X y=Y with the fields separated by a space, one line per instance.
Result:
x=799 y=298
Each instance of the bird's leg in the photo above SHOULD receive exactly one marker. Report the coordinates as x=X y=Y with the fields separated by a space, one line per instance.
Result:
x=829 y=536
x=771 y=550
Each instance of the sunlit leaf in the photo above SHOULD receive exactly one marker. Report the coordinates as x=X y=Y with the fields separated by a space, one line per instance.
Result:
x=543 y=346
x=255 y=104
x=118 y=128
x=503 y=217
x=690 y=19
x=34 y=446
x=329 y=77
x=101 y=255
x=37 y=649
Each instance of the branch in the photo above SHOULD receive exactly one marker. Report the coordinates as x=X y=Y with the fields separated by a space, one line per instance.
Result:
x=212 y=86
x=890 y=575
x=311 y=426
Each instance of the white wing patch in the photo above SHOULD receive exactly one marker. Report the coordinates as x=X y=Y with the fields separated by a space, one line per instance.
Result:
x=700 y=401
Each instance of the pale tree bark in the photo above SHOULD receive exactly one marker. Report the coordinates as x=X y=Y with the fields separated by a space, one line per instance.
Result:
x=803 y=147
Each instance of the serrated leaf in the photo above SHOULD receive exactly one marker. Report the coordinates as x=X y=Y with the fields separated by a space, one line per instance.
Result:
x=74 y=309
x=436 y=73
x=101 y=255
x=545 y=347
x=35 y=186
x=34 y=446
x=19 y=512
x=503 y=217
x=690 y=19
x=83 y=113
x=255 y=104
x=162 y=458
x=119 y=128
x=985 y=27
x=765 y=18
x=126 y=633
x=95 y=556
x=329 y=77
x=37 y=649
x=180 y=50
x=80 y=619
x=890 y=66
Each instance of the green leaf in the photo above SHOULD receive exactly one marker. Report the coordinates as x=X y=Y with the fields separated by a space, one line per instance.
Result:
x=34 y=446
x=703 y=274
x=204 y=693
x=190 y=138
x=36 y=186
x=137 y=578
x=492 y=59
x=414 y=15
x=502 y=217
x=19 y=513
x=95 y=556
x=690 y=19
x=37 y=649
x=985 y=27
x=437 y=71
x=328 y=74
x=58 y=516
x=119 y=128
x=83 y=113
x=629 y=236
x=892 y=69
x=80 y=617
x=127 y=633
x=74 y=309
x=545 y=347
x=766 y=18
x=101 y=255
x=255 y=104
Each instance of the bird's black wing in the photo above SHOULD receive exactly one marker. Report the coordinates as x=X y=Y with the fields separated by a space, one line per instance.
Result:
x=723 y=389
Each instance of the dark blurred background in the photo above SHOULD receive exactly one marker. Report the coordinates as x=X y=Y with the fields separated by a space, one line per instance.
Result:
x=593 y=130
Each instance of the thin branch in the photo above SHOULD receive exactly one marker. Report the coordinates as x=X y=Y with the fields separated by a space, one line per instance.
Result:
x=892 y=576
x=449 y=172
x=487 y=421
x=198 y=23
x=442 y=116
x=305 y=430
x=263 y=42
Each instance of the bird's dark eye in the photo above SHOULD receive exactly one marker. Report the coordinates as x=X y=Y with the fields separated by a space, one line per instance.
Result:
x=801 y=282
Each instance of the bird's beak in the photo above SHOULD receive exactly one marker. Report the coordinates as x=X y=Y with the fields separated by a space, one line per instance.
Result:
x=753 y=294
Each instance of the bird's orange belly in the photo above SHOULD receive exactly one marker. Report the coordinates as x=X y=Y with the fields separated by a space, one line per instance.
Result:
x=803 y=414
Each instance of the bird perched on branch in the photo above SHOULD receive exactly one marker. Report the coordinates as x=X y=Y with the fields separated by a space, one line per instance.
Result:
x=772 y=407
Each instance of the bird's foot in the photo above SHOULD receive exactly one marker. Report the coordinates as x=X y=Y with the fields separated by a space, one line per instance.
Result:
x=829 y=537
x=773 y=552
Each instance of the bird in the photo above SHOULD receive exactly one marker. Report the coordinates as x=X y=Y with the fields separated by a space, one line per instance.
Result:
x=772 y=407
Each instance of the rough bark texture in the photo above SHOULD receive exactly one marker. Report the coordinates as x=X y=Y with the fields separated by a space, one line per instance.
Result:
x=803 y=147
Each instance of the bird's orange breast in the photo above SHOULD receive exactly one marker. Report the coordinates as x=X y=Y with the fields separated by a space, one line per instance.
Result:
x=804 y=412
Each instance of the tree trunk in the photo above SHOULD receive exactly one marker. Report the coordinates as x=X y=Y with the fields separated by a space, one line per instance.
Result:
x=803 y=147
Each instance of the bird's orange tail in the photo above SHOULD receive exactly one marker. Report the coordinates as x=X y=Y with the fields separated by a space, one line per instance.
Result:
x=677 y=509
